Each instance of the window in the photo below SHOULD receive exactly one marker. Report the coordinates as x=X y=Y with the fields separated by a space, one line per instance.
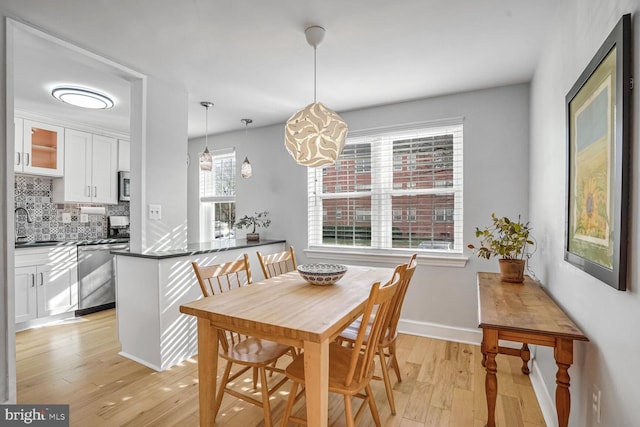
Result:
x=383 y=174
x=412 y=214
x=218 y=197
x=444 y=214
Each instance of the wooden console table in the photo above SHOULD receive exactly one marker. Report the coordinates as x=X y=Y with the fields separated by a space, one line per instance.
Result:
x=523 y=312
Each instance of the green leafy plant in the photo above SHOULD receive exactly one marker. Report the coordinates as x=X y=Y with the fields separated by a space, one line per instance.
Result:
x=505 y=239
x=259 y=219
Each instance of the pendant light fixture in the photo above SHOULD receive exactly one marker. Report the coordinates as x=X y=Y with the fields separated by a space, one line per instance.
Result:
x=245 y=169
x=315 y=135
x=206 y=161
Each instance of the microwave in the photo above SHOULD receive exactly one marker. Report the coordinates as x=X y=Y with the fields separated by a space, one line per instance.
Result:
x=124 y=187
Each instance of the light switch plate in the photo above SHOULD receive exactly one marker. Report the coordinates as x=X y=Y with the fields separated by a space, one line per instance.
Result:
x=84 y=218
x=66 y=217
x=155 y=212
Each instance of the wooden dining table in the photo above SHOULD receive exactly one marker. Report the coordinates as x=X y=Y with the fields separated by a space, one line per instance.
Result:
x=289 y=310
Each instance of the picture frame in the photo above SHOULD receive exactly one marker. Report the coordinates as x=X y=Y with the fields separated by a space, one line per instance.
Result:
x=598 y=109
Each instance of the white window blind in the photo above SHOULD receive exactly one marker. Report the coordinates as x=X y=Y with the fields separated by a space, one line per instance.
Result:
x=218 y=197
x=394 y=188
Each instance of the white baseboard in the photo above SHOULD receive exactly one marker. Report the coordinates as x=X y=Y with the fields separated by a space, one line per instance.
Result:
x=472 y=336
x=442 y=332
x=545 y=400
x=140 y=361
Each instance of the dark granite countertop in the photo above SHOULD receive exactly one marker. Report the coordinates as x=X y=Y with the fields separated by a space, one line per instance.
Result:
x=46 y=243
x=200 y=248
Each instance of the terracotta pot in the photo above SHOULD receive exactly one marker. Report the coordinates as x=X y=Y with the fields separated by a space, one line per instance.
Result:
x=253 y=237
x=512 y=270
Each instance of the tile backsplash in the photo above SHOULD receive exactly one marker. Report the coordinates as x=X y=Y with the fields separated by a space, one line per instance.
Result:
x=34 y=194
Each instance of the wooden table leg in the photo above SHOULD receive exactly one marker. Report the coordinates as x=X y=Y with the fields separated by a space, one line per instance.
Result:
x=563 y=354
x=490 y=341
x=316 y=377
x=207 y=370
x=525 y=355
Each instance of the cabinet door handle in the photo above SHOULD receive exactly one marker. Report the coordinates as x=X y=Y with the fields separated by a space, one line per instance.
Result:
x=27 y=159
x=41 y=279
x=19 y=159
x=95 y=191
x=33 y=280
x=88 y=191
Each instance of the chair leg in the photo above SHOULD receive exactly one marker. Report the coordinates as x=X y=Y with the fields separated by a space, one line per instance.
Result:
x=255 y=378
x=290 y=402
x=223 y=385
x=387 y=380
x=348 y=411
x=372 y=405
x=265 y=397
x=394 y=361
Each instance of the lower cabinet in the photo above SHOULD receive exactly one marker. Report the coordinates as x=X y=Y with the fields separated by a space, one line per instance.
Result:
x=45 y=282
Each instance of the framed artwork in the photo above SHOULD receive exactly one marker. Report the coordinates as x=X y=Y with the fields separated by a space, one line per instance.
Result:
x=598 y=139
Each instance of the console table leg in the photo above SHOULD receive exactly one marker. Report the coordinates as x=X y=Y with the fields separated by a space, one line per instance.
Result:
x=564 y=358
x=490 y=344
x=484 y=355
x=525 y=354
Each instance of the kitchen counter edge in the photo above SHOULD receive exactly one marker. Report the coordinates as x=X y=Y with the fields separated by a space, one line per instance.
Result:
x=61 y=243
x=200 y=248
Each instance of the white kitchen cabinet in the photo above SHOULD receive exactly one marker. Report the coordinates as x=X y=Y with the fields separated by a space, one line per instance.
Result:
x=39 y=148
x=90 y=173
x=124 y=155
x=46 y=282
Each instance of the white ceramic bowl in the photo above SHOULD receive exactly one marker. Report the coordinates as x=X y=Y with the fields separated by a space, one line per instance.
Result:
x=322 y=274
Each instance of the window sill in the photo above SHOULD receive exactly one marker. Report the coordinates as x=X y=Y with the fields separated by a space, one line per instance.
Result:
x=431 y=259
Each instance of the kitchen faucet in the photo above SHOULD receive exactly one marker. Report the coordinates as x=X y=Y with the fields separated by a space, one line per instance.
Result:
x=20 y=208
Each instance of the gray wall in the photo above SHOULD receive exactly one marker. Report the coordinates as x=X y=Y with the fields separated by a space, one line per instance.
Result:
x=608 y=317
x=495 y=180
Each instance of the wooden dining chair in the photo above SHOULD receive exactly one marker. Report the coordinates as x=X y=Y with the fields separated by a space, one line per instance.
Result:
x=277 y=263
x=387 y=343
x=248 y=352
x=351 y=368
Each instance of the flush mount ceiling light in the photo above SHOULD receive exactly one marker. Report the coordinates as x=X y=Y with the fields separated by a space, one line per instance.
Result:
x=315 y=135
x=81 y=97
x=206 y=160
x=245 y=169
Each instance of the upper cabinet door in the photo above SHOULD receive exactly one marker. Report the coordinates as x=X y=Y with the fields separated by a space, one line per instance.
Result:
x=18 y=157
x=124 y=155
x=42 y=149
x=104 y=174
x=77 y=174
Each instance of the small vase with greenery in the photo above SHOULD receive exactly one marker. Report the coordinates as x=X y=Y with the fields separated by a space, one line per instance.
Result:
x=259 y=219
x=511 y=241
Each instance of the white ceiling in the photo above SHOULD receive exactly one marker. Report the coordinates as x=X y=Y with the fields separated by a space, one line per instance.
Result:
x=251 y=59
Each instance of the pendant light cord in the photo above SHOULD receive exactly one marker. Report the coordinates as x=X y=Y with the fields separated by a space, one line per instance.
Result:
x=206 y=126
x=314 y=74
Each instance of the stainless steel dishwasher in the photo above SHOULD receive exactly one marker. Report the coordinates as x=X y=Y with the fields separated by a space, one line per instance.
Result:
x=96 y=277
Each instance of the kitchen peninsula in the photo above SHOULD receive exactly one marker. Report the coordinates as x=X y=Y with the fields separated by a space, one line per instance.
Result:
x=151 y=286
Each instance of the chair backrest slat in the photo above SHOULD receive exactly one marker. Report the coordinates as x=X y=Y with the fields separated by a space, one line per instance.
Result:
x=365 y=346
x=219 y=278
x=277 y=263
x=390 y=328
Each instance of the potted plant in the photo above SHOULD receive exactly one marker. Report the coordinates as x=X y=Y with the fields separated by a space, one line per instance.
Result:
x=508 y=240
x=259 y=219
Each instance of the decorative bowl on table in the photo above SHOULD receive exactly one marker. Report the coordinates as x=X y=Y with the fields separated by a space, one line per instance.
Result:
x=322 y=274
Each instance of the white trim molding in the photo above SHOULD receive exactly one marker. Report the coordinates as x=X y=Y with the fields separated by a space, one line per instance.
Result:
x=347 y=256
x=442 y=332
x=545 y=400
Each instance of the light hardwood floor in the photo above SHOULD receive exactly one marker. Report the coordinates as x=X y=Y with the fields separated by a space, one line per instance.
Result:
x=76 y=362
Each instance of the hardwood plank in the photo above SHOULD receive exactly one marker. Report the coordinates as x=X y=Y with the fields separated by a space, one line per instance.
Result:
x=446 y=387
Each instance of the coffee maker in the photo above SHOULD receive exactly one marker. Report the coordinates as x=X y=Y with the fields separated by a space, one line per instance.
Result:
x=118 y=226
